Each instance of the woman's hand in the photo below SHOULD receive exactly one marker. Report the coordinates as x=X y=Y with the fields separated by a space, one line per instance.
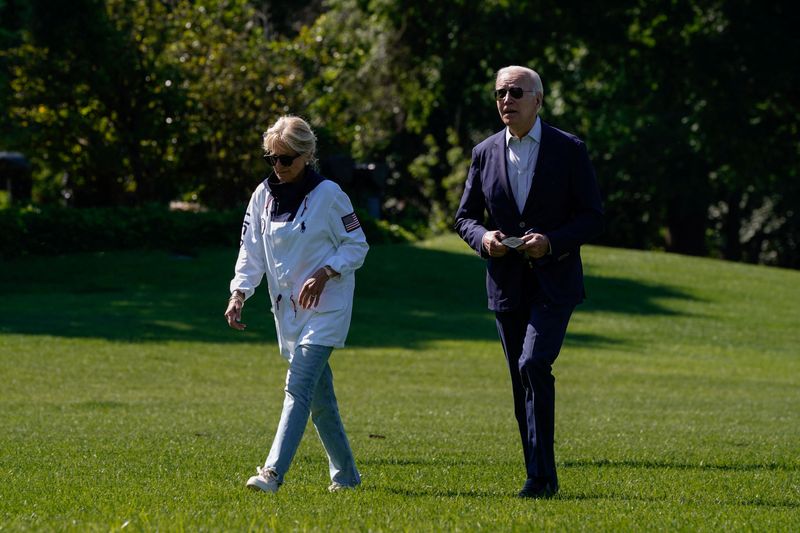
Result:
x=233 y=314
x=312 y=289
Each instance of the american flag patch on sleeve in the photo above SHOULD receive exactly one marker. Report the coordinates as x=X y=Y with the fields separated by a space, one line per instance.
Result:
x=351 y=222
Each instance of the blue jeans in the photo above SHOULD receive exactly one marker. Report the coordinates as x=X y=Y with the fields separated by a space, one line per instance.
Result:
x=309 y=389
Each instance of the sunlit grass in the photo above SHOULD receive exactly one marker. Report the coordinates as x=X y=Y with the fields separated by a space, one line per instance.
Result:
x=126 y=400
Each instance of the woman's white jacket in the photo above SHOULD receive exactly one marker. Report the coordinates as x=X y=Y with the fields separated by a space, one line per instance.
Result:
x=325 y=231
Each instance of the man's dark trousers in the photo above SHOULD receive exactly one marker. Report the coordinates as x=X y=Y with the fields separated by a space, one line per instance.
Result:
x=532 y=336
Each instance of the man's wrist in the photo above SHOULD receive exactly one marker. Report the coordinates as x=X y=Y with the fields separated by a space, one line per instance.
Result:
x=484 y=241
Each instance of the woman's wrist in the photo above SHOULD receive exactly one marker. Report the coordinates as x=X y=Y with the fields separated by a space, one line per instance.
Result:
x=331 y=273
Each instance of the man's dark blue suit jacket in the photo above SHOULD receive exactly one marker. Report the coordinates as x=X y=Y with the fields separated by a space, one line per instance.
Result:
x=564 y=204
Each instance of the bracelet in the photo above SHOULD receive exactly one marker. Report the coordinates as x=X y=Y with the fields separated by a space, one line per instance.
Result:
x=238 y=296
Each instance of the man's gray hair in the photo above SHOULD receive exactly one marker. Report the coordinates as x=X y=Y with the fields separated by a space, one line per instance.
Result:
x=530 y=73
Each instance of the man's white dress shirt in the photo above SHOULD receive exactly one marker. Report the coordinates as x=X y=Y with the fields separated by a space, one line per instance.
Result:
x=521 y=157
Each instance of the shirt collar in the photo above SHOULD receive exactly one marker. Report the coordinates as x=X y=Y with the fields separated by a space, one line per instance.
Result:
x=535 y=133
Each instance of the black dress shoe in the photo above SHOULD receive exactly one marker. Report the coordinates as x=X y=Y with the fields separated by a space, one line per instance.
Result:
x=537 y=489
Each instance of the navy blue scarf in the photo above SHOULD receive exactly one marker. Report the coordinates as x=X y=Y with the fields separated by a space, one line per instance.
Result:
x=288 y=197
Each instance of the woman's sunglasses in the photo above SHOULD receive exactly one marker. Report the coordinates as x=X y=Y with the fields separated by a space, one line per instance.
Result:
x=515 y=92
x=285 y=160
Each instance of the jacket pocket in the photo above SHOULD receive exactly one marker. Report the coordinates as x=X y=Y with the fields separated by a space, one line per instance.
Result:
x=336 y=295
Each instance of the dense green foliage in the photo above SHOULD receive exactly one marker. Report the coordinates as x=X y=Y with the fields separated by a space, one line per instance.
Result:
x=690 y=113
x=59 y=230
x=129 y=405
x=56 y=230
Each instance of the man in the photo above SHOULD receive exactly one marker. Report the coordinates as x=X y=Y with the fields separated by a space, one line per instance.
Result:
x=530 y=200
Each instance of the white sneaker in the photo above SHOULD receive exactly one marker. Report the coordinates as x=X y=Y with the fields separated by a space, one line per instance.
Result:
x=338 y=487
x=265 y=481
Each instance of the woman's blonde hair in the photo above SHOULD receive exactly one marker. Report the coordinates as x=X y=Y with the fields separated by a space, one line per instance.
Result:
x=295 y=133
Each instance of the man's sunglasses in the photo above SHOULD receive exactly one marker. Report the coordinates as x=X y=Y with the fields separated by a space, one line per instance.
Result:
x=515 y=92
x=286 y=160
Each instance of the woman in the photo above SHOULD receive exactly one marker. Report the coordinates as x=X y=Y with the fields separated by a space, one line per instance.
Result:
x=300 y=231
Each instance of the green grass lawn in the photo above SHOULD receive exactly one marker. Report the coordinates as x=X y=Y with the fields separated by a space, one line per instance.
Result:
x=127 y=404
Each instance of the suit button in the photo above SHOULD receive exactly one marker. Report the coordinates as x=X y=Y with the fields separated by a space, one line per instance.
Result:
x=522 y=224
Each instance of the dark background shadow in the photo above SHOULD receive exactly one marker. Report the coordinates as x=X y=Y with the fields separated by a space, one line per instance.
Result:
x=405 y=296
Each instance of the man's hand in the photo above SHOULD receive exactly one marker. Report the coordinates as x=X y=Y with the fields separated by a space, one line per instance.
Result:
x=536 y=245
x=312 y=289
x=233 y=314
x=491 y=243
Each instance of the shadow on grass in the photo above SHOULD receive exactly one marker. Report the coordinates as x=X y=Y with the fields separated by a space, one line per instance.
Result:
x=567 y=496
x=405 y=296
x=779 y=504
x=410 y=295
x=564 y=496
x=626 y=296
x=649 y=464
x=637 y=464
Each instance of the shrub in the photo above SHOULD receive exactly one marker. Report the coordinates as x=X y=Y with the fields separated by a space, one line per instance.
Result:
x=61 y=230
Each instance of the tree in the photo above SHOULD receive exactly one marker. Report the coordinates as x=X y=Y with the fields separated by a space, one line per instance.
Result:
x=141 y=101
x=693 y=112
x=689 y=114
x=83 y=97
